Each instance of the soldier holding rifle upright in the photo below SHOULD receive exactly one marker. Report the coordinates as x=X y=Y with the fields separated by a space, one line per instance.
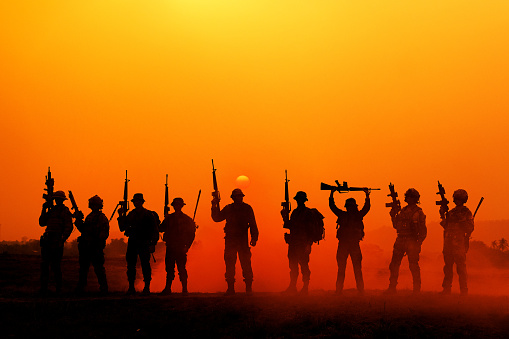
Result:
x=410 y=224
x=94 y=232
x=179 y=232
x=141 y=226
x=239 y=218
x=57 y=218
x=458 y=225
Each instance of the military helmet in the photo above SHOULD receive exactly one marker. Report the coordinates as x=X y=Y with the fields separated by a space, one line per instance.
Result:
x=461 y=195
x=412 y=193
x=59 y=195
x=178 y=201
x=350 y=202
x=237 y=192
x=138 y=196
x=95 y=200
x=301 y=195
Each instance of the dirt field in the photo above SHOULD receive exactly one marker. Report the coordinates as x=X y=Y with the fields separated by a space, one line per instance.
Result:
x=273 y=315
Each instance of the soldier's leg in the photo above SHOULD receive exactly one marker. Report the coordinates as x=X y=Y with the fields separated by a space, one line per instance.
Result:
x=341 y=258
x=56 y=259
x=448 y=265
x=293 y=263
x=45 y=263
x=245 y=264
x=100 y=271
x=398 y=252
x=84 y=261
x=414 y=248
x=356 y=256
x=230 y=259
x=144 y=253
x=169 y=263
x=304 y=267
x=131 y=257
x=181 y=260
x=461 y=268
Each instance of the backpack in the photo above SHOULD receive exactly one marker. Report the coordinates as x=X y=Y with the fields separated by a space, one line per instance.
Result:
x=316 y=226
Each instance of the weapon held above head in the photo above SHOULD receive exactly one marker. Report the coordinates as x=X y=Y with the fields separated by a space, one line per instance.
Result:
x=343 y=188
x=215 y=193
x=395 y=205
x=286 y=204
x=123 y=204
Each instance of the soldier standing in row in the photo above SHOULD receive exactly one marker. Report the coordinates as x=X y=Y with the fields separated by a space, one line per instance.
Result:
x=58 y=222
x=141 y=226
x=458 y=225
x=239 y=218
x=299 y=240
x=410 y=223
x=179 y=232
x=350 y=232
x=94 y=232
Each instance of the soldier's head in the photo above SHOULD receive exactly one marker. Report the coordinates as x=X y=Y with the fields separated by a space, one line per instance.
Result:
x=95 y=203
x=351 y=205
x=138 y=199
x=237 y=195
x=460 y=197
x=301 y=197
x=177 y=204
x=412 y=196
x=59 y=197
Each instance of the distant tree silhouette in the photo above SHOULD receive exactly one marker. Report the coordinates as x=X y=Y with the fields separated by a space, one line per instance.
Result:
x=494 y=244
x=502 y=244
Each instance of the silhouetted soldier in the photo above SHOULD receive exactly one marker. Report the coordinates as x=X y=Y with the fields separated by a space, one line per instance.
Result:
x=239 y=219
x=94 y=232
x=179 y=232
x=58 y=222
x=350 y=232
x=299 y=241
x=141 y=227
x=410 y=223
x=458 y=225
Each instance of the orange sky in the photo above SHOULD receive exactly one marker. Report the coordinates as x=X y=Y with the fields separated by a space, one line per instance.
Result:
x=366 y=93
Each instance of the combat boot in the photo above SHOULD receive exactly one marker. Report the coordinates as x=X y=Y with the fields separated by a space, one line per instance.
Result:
x=184 y=286
x=167 y=288
x=390 y=291
x=446 y=291
x=131 y=289
x=249 y=287
x=146 y=289
x=231 y=288
x=305 y=288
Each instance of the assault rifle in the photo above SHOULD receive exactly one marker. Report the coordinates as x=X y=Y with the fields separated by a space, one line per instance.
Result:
x=395 y=205
x=215 y=194
x=196 y=207
x=166 y=200
x=343 y=188
x=443 y=202
x=286 y=204
x=78 y=215
x=50 y=183
x=124 y=204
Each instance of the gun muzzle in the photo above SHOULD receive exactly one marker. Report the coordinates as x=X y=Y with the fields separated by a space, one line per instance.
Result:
x=326 y=187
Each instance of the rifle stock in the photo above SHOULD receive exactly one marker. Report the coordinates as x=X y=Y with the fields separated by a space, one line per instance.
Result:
x=343 y=188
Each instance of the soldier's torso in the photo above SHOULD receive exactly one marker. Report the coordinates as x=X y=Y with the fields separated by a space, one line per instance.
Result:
x=300 y=221
x=95 y=227
x=140 y=224
x=177 y=228
x=351 y=226
x=238 y=217
x=57 y=218
x=408 y=220
x=459 y=220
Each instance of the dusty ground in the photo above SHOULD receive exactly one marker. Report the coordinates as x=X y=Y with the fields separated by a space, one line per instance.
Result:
x=321 y=314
